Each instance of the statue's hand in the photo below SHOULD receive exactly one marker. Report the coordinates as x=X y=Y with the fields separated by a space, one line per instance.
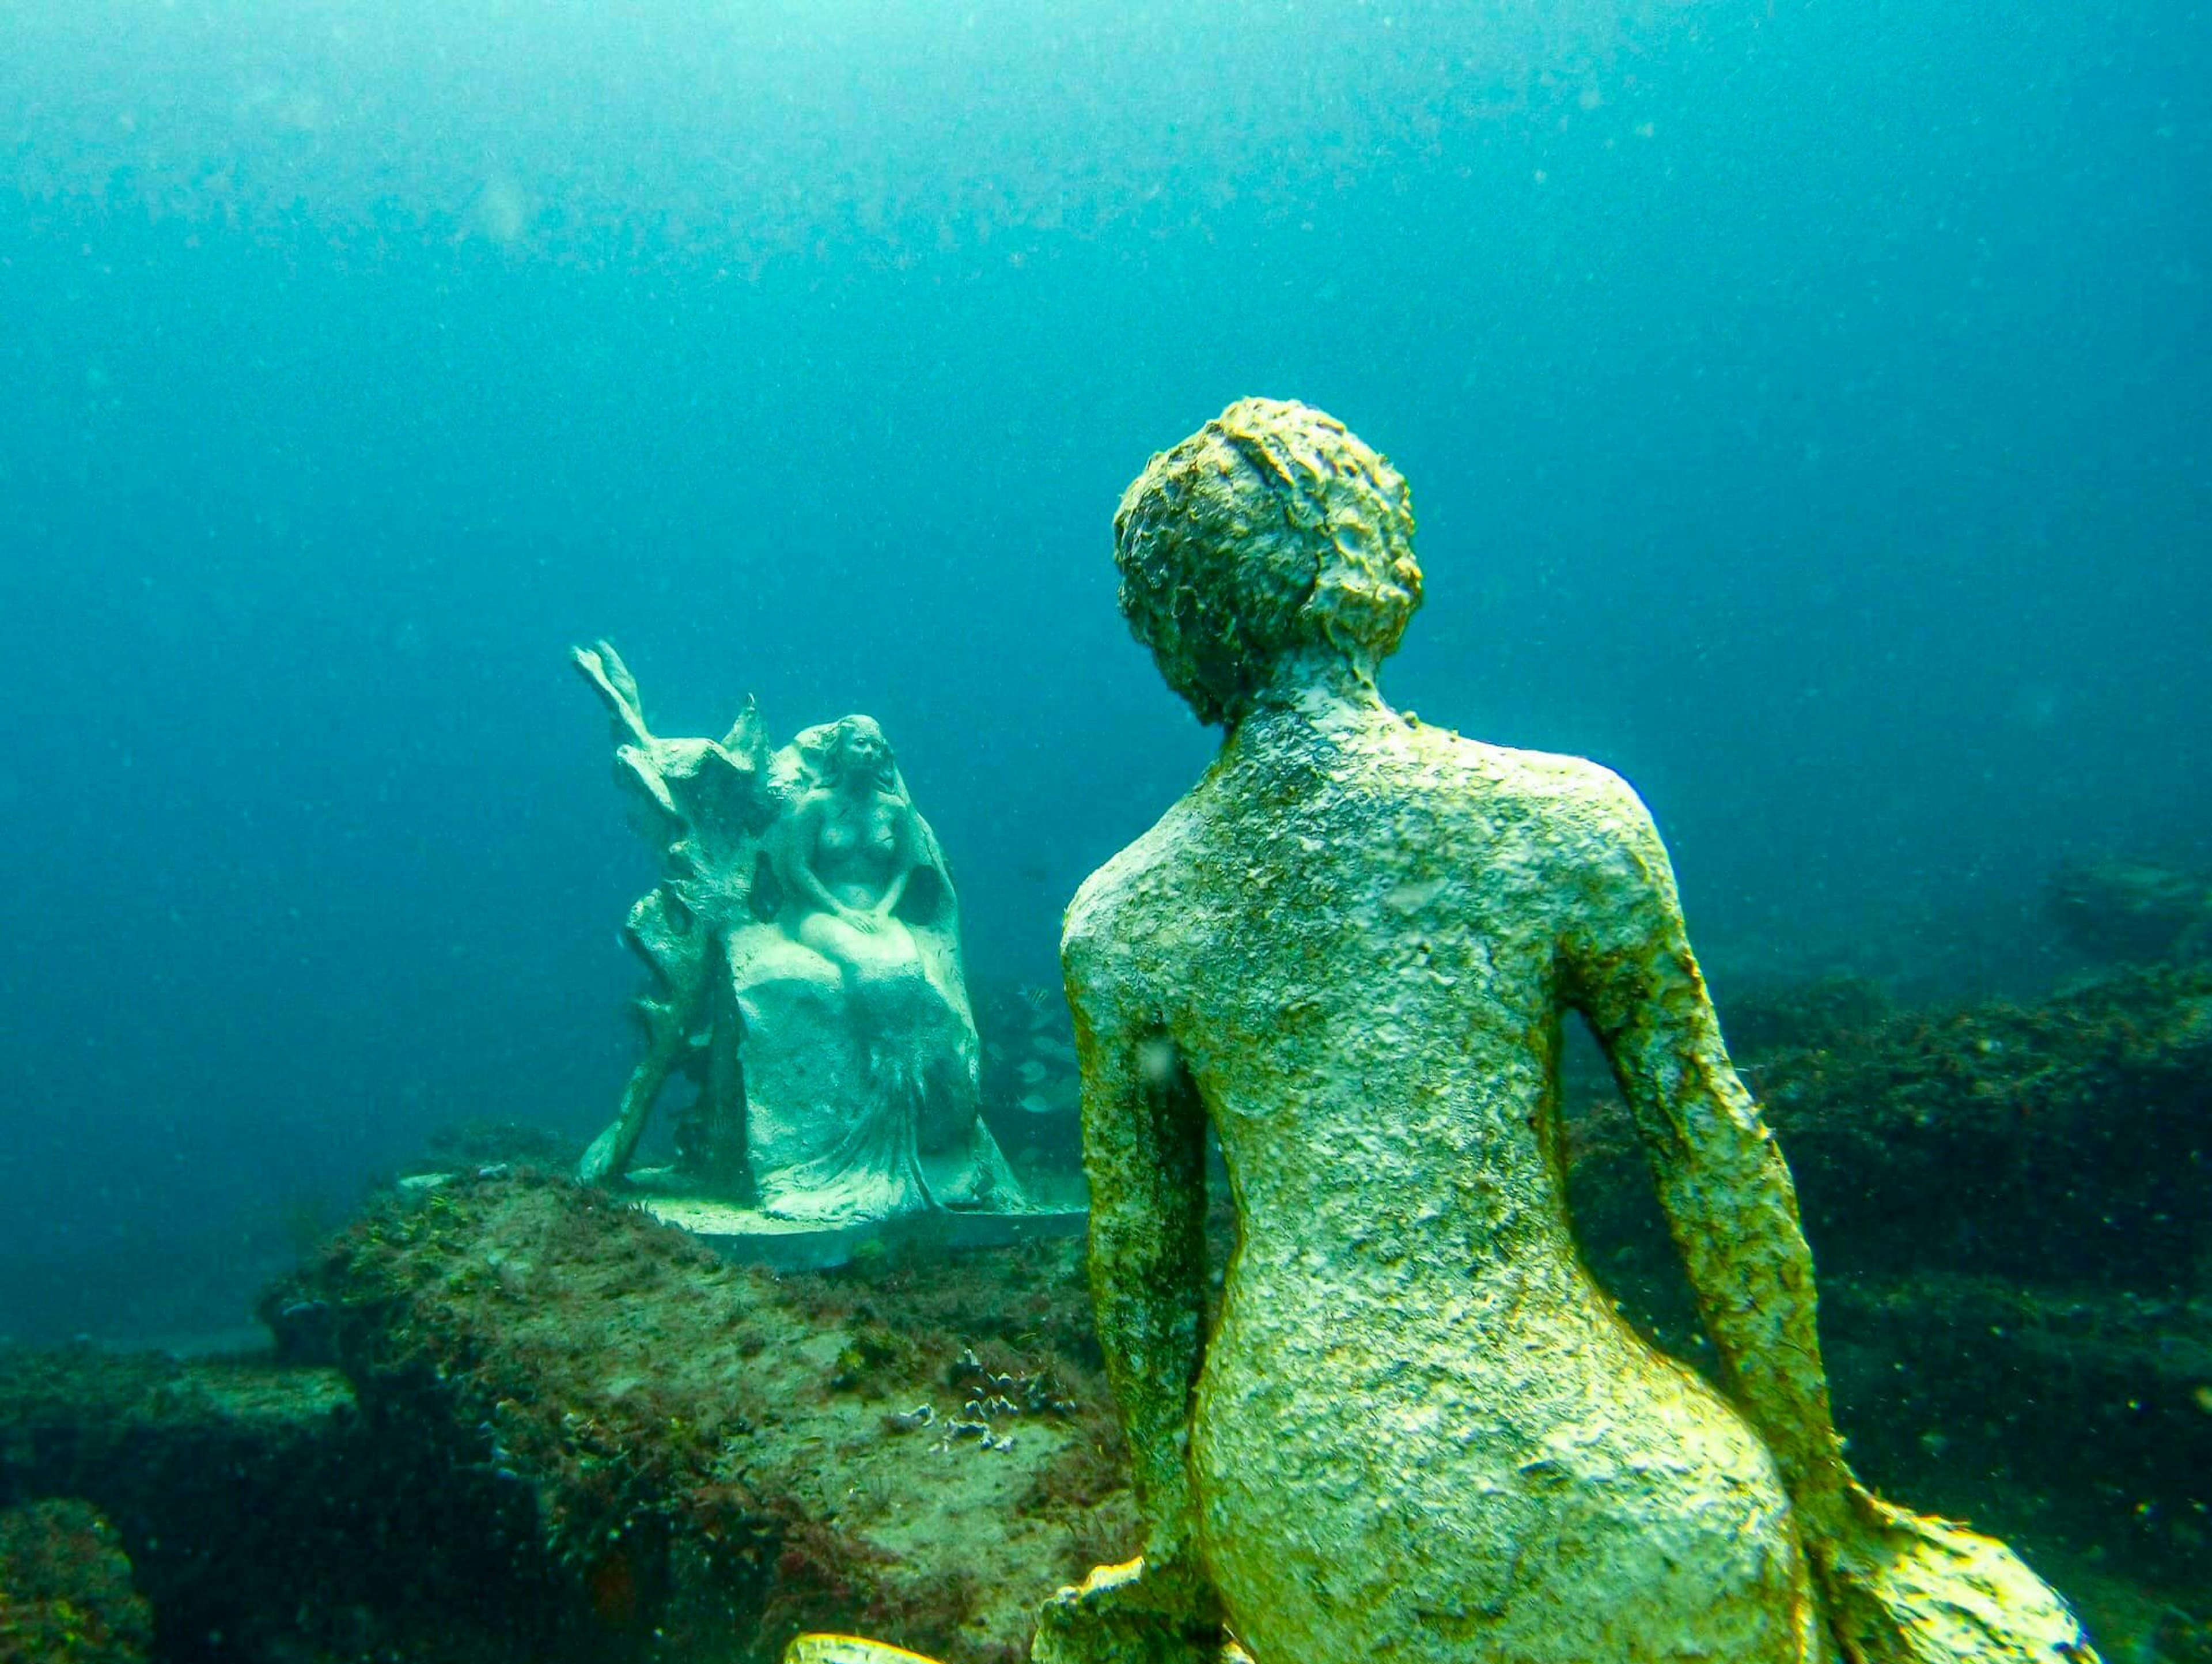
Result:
x=1903 y=1588
x=866 y=923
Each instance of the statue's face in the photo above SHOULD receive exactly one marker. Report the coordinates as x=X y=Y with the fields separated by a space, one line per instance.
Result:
x=866 y=756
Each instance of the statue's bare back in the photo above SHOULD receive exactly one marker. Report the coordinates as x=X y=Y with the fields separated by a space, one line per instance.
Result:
x=1415 y=1382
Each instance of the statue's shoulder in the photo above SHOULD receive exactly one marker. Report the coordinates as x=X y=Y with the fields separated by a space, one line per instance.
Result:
x=1103 y=914
x=1540 y=779
x=1581 y=808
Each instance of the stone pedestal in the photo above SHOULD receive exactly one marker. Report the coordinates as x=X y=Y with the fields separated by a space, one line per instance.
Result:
x=748 y=1236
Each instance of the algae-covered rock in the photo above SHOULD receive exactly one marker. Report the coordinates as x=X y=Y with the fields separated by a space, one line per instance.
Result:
x=1818 y=1012
x=2065 y=1141
x=263 y=1518
x=2135 y=911
x=66 y=1590
x=697 y=1460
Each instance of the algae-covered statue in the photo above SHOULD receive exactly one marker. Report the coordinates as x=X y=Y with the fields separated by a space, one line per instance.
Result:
x=804 y=950
x=1417 y=1430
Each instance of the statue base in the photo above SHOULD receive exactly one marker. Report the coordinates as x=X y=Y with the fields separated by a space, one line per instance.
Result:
x=749 y=1237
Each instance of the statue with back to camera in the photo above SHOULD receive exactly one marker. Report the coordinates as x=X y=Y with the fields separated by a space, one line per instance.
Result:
x=1417 y=1431
x=804 y=944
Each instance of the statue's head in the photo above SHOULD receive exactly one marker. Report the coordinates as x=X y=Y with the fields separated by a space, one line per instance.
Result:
x=858 y=754
x=1269 y=538
x=850 y=752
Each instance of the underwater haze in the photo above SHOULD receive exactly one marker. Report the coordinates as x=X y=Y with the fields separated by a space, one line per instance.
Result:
x=1806 y=406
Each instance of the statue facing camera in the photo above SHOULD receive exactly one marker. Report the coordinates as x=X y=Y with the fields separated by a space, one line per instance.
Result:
x=804 y=950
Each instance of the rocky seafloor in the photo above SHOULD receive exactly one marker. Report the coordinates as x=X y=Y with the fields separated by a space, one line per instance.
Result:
x=510 y=1419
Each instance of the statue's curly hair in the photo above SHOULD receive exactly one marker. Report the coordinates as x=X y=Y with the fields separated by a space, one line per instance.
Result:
x=1271 y=531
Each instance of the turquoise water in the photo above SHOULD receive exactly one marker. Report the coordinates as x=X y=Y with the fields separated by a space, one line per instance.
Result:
x=1805 y=405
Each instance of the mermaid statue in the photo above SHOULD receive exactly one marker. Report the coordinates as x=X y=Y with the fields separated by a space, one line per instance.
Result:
x=1416 y=1431
x=803 y=946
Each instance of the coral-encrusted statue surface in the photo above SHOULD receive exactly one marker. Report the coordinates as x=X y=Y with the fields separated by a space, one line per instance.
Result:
x=804 y=950
x=1417 y=1430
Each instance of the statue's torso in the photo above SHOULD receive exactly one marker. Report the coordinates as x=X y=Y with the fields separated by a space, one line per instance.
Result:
x=857 y=846
x=1419 y=1415
x=1365 y=989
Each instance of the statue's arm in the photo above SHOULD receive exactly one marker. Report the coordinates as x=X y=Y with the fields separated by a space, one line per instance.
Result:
x=1729 y=1203
x=1898 y=1588
x=1144 y=1152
